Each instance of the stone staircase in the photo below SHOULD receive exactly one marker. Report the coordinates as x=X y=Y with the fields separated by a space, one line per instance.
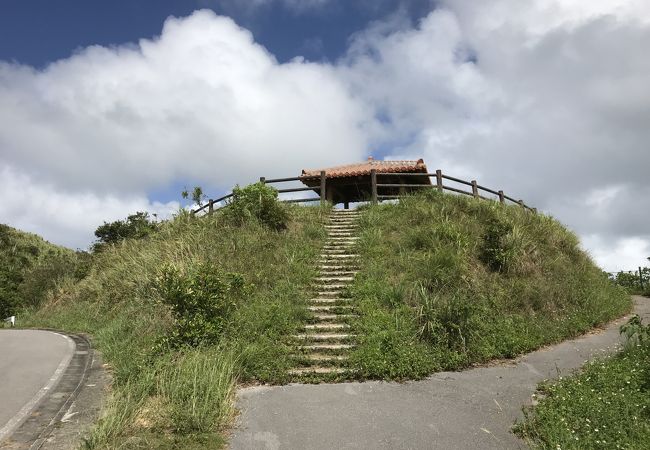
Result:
x=323 y=345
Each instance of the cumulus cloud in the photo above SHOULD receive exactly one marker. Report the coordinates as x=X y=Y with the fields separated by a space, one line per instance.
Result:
x=201 y=102
x=545 y=99
x=66 y=218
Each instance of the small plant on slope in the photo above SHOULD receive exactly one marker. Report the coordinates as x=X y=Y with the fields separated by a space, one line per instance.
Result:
x=257 y=202
x=201 y=302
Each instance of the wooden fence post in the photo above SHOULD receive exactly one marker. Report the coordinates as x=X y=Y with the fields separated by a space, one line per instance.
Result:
x=373 y=184
x=521 y=203
x=263 y=180
x=474 y=189
x=501 y=197
x=640 y=277
x=323 y=186
x=439 y=180
x=210 y=206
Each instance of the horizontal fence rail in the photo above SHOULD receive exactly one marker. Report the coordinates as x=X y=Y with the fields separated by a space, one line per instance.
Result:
x=375 y=188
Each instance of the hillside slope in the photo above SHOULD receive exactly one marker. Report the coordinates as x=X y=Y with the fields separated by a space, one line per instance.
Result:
x=23 y=256
x=449 y=281
x=174 y=374
x=184 y=314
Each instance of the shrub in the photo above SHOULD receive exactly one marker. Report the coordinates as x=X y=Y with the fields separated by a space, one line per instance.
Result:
x=136 y=226
x=496 y=253
x=257 y=202
x=200 y=301
x=42 y=278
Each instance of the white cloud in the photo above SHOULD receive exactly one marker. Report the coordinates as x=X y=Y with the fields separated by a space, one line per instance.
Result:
x=66 y=218
x=546 y=99
x=202 y=102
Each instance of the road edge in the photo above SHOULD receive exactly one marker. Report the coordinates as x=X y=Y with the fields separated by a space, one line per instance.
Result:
x=34 y=429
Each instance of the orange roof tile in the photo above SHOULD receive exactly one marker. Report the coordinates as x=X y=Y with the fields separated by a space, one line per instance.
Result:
x=365 y=167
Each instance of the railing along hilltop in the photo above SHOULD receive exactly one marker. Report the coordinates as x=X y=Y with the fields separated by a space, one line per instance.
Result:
x=376 y=187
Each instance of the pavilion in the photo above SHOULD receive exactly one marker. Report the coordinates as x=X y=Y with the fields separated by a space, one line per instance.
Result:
x=356 y=182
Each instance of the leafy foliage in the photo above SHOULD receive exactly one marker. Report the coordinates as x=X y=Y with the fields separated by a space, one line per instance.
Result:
x=257 y=202
x=607 y=405
x=25 y=259
x=197 y=195
x=632 y=282
x=136 y=226
x=201 y=302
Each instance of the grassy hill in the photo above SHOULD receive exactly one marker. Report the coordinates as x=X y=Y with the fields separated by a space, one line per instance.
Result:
x=201 y=304
x=29 y=267
x=449 y=281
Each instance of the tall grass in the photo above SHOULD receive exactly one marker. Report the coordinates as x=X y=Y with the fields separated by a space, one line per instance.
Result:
x=181 y=398
x=470 y=280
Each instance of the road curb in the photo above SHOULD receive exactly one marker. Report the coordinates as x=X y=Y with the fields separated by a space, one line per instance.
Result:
x=39 y=424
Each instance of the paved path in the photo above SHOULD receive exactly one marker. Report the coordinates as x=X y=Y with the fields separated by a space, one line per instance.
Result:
x=461 y=410
x=31 y=362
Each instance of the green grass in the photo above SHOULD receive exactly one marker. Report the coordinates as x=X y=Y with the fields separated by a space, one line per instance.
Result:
x=449 y=281
x=606 y=405
x=29 y=266
x=445 y=282
x=166 y=398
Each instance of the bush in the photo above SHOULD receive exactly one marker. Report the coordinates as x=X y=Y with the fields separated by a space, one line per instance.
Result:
x=136 y=226
x=257 y=202
x=42 y=278
x=200 y=301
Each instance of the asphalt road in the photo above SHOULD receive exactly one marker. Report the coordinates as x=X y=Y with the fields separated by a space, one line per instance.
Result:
x=31 y=363
x=472 y=409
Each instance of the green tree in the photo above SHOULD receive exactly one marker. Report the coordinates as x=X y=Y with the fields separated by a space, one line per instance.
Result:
x=136 y=226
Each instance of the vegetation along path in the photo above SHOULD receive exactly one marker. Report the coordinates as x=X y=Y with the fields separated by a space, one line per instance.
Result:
x=471 y=409
x=323 y=345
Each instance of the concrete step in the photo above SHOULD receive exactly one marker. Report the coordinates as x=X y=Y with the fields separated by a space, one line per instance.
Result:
x=328 y=300
x=331 y=317
x=327 y=326
x=330 y=286
x=324 y=336
x=347 y=256
x=326 y=308
x=316 y=370
x=320 y=357
x=325 y=347
x=339 y=273
x=351 y=227
x=338 y=267
x=331 y=279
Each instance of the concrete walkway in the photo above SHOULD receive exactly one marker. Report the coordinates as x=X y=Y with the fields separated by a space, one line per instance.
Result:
x=31 y=363
x=461 y=410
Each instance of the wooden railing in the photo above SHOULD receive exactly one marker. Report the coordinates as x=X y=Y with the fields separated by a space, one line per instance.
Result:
x=375 y=196
x=475 y=192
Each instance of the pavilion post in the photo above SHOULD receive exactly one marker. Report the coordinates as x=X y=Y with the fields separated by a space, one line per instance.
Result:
x=323 y=186
x=373 y=184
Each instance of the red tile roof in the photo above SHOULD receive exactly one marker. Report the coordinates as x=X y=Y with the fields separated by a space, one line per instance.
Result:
x=364 y=168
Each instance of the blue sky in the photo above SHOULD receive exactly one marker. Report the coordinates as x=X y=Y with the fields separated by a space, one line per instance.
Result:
x=37 y=32
x=111 y=107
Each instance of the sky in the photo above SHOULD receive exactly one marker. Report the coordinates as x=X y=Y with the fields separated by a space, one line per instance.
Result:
x=107 y=108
